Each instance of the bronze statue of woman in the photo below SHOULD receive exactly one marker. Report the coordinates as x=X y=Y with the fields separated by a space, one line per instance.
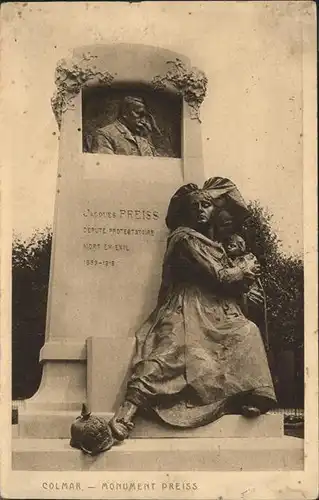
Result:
x=197 y=356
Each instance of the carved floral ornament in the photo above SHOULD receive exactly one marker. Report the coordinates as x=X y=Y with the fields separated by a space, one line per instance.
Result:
x=72 y=75
x=190 y=82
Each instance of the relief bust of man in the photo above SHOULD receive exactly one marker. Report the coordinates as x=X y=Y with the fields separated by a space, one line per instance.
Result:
x=130 y=133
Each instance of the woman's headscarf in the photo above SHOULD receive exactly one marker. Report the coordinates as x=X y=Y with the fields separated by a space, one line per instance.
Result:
x=222 y=192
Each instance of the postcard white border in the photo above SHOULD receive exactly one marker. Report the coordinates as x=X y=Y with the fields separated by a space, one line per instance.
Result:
x=218 y=485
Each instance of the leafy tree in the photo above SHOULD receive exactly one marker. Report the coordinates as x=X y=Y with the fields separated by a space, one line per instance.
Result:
x=30 y=276
x=282 y=279
x=283 y=282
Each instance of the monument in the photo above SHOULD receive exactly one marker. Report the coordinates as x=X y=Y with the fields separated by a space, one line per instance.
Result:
x=130 y=136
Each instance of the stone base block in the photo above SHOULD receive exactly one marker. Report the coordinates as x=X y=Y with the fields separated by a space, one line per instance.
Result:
x=56 y=425
x=229 y=426
x=108 y=362
x=46 y=424
x=211 y=454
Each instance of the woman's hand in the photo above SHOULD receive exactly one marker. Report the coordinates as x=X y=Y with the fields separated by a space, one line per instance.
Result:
x=252 y=272
x=249 y=276
x=255 y=296
x=254 y=268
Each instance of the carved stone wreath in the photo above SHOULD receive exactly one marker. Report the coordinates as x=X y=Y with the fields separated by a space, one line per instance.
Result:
x=190 y=82
x=70 y=77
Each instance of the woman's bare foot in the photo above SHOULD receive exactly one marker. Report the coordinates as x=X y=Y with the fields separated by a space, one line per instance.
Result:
x=121 y=424
x=120 y=431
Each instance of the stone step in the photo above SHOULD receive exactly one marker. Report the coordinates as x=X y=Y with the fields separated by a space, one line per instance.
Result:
x=229 y=426
x=179 y=454
x=54 y=425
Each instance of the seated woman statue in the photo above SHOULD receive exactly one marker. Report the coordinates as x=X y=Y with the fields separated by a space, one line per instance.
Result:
x=197 y=356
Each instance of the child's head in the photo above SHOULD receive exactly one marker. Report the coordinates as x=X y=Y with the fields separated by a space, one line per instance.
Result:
x=235 y=246
x=220 y=225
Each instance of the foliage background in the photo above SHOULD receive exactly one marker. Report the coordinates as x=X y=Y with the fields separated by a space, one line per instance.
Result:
x=282 y=279
x=30 y=279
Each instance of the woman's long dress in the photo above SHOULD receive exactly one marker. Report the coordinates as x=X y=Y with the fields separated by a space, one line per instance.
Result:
x=197 y=356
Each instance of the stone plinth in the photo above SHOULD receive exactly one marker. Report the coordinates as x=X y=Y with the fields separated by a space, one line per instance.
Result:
x=210 y=454
x=108 y=359
x=57 y=425
x=229 y=426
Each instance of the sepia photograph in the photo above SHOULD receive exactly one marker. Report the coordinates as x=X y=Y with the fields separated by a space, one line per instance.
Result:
x=159 y=250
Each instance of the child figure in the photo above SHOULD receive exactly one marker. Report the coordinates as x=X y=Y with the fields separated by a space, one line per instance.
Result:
x=253 y=302
x=222 y=229
x=235 y=248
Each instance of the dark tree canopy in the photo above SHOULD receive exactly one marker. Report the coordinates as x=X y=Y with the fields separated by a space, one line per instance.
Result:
x=282 y=278
x=30 y=278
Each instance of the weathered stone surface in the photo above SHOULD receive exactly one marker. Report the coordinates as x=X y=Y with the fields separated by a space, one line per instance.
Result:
x=57 y=425
x=233 y=454
x=108 y=365
x=235 y=426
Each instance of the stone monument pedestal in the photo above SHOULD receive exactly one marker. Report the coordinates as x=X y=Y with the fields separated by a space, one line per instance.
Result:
x=232 y=443
x=179 y=454
x=56 y=425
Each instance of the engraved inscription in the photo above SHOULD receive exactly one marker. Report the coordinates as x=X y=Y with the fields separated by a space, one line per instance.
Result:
x=123 y=214
x=107 y=241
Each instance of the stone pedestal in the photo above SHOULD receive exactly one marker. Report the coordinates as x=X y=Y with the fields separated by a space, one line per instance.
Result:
x=209 y=454
x=53 y=426
x=108 y=360
x=233 y=443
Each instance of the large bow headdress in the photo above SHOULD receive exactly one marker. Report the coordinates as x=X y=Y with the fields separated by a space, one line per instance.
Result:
x=222 y=192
